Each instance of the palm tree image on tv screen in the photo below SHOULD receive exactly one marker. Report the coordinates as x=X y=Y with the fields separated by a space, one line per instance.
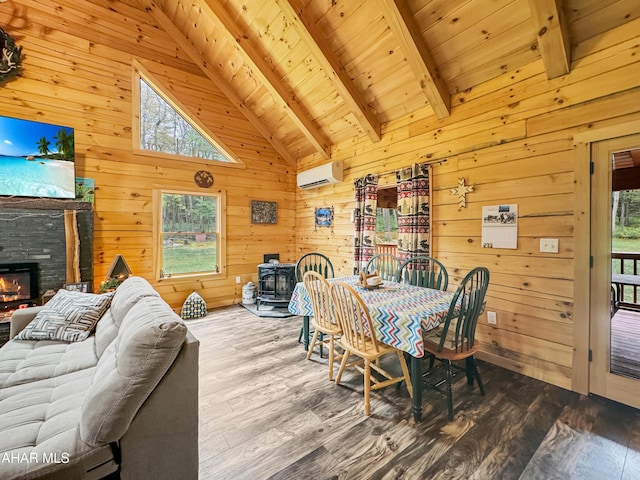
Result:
x=36 y=159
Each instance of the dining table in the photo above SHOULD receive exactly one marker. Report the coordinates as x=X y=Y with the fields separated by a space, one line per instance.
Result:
x=401 y=313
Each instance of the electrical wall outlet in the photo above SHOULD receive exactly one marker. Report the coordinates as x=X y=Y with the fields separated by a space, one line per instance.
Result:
x=238 y=279
x=492 y=318
x=549 y=245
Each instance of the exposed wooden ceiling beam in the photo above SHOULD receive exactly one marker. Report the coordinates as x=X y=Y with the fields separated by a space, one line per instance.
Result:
x=553 y=36
x=418 y=55
x=635 y=155
x=265 y=74
x=314 y=40
x=156 y=10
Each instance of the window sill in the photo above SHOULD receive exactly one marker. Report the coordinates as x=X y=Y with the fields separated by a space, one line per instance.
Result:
x=190 y=277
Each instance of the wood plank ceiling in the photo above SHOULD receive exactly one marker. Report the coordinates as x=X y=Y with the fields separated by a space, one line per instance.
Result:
x=309 y=74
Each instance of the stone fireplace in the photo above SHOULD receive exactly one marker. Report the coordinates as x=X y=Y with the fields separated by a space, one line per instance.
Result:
x=40 y=237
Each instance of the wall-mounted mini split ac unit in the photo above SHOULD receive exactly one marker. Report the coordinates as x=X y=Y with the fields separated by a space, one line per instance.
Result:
x=323 y=175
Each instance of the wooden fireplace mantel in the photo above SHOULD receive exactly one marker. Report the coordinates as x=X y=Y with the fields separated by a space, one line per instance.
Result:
x=44 y=203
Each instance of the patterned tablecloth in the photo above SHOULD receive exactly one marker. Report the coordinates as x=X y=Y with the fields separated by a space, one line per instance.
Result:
x=400 y=312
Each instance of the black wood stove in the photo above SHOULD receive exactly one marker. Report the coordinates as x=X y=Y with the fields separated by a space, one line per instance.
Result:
x=276 y=282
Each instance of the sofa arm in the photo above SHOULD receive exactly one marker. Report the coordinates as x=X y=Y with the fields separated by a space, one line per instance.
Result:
x=162 y=440
x=20 y=318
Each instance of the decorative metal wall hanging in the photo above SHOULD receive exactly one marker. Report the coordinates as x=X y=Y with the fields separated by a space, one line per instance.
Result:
x=461 y=192
x=10 y=59
x=203 y=179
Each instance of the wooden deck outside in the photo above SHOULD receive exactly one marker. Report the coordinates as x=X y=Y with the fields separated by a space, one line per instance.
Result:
x=625 y=324
x=625 y=266
x=625 y=343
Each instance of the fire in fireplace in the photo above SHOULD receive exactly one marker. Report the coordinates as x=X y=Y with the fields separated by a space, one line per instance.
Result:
x=18 y=284
x=10 y=288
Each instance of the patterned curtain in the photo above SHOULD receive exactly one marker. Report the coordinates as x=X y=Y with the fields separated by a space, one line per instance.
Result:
x=365 y=220
x=414 y=219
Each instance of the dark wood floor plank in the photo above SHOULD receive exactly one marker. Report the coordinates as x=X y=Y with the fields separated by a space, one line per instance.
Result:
x=429 y=457
x=557 y=455
x=268 y=413
x=317 y=464
x=517 y=432
x=588 y=441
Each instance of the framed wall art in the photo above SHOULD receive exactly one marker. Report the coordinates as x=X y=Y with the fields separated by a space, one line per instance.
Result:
x=82 y=287
x=85 y=189
x=324 y=217
x=264 y=212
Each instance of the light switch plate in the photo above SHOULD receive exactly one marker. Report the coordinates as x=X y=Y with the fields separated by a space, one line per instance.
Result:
x=549 y=245
x=491 y=318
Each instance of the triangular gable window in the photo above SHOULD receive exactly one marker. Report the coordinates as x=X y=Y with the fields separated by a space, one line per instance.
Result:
x=163 y=128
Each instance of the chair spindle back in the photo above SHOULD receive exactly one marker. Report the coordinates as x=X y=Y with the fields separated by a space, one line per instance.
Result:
x=354 y=319
x=318 y=289
x=315 y=262
x=424 y=271
x=386 y=264
x=466 y=306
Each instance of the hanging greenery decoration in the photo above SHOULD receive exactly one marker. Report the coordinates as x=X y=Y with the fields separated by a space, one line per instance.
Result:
x=11 y=59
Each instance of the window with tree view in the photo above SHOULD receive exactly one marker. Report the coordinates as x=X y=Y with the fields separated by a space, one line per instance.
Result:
x=164 y=129
x=190 y=234
x=387 y=216
x=386 y=226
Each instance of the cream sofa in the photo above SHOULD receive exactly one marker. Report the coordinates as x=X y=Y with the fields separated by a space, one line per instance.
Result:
x=122 y=403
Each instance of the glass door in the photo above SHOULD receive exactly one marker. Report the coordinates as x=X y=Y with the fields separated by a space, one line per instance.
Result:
x=615 y=276
x=387 y=220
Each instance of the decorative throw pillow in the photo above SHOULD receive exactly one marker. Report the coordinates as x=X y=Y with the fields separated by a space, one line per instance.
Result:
x=194 y=307
x=68 y=316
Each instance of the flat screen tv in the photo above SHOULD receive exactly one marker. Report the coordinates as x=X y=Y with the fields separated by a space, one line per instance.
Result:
x=36 y=159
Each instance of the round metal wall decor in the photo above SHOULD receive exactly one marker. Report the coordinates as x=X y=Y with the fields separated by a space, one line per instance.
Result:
x=203 y=178
x=10 y=59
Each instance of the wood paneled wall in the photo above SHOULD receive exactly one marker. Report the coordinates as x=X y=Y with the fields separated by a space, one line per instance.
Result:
x=512 y=138
x=78 y=72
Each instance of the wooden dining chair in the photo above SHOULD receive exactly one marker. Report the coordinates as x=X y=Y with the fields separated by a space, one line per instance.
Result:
x=314 y=262
x=386 y=264
x=423 y=271
x=323 y=319
x=359 y=339
x=455 y=340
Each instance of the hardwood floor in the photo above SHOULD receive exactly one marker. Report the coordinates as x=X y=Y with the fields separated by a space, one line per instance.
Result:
x=268 y=413
x=625 y=343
